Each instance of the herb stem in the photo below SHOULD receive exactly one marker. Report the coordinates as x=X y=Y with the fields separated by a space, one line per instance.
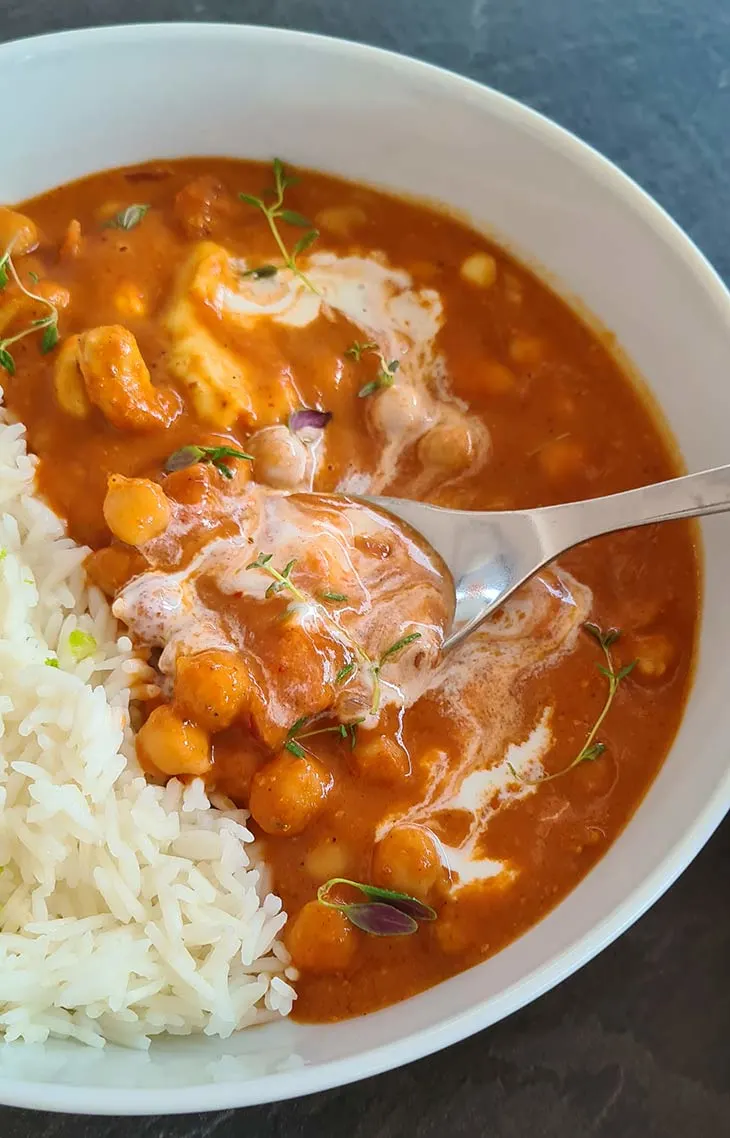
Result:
x=49 y=323
x=592 y=749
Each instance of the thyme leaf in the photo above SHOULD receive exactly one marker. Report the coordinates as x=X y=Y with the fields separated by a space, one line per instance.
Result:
x=127 y=218
x=261 y=272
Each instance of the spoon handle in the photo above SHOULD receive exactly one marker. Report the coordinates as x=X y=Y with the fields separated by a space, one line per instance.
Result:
x=692 y=496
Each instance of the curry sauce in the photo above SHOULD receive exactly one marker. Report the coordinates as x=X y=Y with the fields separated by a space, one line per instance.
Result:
x=301 y=675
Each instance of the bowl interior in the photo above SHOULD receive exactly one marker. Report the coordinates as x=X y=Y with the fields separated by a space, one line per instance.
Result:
x=114 y=96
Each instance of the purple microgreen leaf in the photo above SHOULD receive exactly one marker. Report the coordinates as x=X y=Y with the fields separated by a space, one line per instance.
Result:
x=310 y=418
x=403 y=902
x=380 y=920
x=180 y=459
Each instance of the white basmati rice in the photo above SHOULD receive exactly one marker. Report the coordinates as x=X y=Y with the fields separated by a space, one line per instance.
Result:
x=126 y=909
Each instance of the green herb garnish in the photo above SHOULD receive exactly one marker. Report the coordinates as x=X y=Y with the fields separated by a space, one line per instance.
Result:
x=48 y=324
x=328 y=596
x=261 y=273
x=127 y=218
x=388 y=655
x=51 y=662
x=282 y=580
x=385 y=913
x=277 y=586
x=345 y=673
x=81 y=645
x=356 y=349
x=592 y=749
x=190 y=455
x=276 y=212
x=295 y=733
x=386 y=372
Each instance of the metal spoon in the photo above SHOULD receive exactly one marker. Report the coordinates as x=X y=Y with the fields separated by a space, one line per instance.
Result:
x=490 y=554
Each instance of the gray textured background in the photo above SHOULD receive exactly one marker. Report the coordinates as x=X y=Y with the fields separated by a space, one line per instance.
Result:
x=636 y=1045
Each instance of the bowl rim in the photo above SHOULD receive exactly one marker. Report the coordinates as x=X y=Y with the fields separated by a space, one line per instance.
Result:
x=77 y=1098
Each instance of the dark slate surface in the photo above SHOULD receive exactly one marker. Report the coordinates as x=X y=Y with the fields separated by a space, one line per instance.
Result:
x=637 y=1045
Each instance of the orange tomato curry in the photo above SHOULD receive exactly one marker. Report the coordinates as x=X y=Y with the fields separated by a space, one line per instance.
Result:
x=296 y=640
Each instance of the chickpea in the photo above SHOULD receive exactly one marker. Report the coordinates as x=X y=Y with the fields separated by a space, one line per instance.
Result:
x=379 y=758
x=236 y=758
x=321 y=939
x=454 y=931
x=113 y=567
x=288 y=793
x=55 y=293
x=279 y=458
x=562 y=459
x=498 y=379
x=654 y=653
x=135 y=509
x=408 y=859
x=17 y=232
x=448 y=446
x=479 y=269
x=71 y=244
x=129 y=300
x=172 y=745
x=340 y=219
x=68 y=382
x=190 y=486
x=526 y=350
x=329 y=858
x=398 y=409
x=211 y=688
x=8 y=311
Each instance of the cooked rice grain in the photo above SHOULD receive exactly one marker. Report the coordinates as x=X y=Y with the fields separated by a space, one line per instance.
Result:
x=126 y=909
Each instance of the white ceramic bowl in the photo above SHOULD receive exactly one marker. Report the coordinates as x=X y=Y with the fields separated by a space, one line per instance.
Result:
x=118 y=95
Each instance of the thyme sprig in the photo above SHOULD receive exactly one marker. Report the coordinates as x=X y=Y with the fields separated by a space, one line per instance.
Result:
x=385 y=656
x=275 y=212
x=295 y=734
x=191 y=455
x=48 y=324
x=282 y=580
x=386 y=372
x=592 y=748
